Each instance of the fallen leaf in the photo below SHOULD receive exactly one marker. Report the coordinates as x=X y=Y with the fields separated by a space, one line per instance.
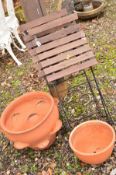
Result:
x=94 y=21
x=39 y=173
x=8 y=172
x=83 y=26
x=53 y=165
x=79 y=173
x=3 y=83
x=50 y=171
x=18 y=174
x=110 y=91
x=44 y=173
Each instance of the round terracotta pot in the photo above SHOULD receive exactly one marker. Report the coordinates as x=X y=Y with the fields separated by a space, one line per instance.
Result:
x=98 y=7
x=92 y=141
x=31 y=120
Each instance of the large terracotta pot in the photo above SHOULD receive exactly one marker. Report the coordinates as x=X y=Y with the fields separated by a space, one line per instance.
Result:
x=92 y=141
x=31 y=120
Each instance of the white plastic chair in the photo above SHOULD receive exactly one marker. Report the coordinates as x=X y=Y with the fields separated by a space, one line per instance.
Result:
x=13 y=24
x=5 y=36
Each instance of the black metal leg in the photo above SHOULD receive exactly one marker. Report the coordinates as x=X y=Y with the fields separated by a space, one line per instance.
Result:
x=62 y=107
x=101 y=110
x=107 y=113
x=93 y=94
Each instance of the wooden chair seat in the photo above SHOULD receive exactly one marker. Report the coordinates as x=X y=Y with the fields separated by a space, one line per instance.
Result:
x=64 y=48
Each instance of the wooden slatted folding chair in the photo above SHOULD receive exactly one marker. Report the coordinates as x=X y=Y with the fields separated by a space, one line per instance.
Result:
x=64 y=49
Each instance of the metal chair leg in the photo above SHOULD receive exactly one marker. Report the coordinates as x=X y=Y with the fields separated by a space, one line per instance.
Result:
x=62 y=108
x=93 y=94
x=107 y=113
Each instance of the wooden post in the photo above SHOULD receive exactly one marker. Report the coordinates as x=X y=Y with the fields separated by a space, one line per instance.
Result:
x=33 y=9
x=69 y=5
x=43 y=8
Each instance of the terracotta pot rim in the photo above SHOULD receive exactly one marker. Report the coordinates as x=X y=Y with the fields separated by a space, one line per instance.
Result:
x=35 y=126
x=91 y=154
x=93 y=12
x=103 y=4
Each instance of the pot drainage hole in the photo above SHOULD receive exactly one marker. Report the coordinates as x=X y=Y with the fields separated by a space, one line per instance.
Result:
x=97 y=150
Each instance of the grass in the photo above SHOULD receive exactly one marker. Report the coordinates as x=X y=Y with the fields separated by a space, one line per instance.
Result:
x=16 y=81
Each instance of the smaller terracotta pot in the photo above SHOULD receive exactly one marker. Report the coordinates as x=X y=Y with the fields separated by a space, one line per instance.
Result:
x=92 y=141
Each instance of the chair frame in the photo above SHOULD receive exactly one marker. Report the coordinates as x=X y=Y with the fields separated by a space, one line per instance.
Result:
x=44 y=29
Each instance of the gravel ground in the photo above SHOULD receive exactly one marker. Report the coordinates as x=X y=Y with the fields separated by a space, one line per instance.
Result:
x=59 y=159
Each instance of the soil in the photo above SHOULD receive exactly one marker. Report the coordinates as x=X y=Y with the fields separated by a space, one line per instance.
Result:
x=15 y=81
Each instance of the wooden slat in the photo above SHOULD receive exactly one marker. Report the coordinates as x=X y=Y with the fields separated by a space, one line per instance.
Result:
x=66 y=55
x=61 y=49
x=43 y=20
x=53 y=24
x=68 y=63
x=57 y=43
x=27 y=38
x=55 y=35
x=71 y=70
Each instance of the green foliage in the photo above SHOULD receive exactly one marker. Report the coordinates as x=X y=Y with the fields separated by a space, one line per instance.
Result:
x=20 y=14
x=107 y=58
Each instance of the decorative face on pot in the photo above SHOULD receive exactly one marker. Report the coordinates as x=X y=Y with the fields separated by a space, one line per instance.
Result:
x=31 y=120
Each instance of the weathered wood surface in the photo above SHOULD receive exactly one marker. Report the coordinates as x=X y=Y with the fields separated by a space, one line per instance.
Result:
x=64 y=48
x=33 y=9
